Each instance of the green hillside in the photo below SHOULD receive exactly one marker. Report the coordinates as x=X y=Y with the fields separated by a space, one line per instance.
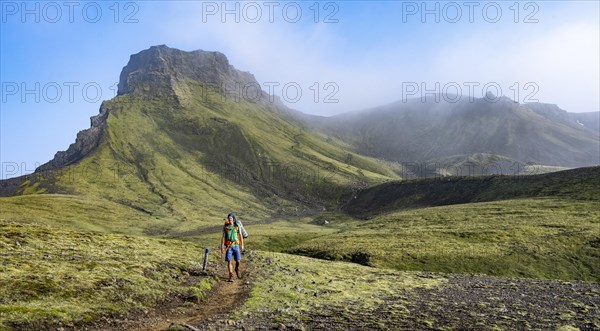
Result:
x=180 y=158
x=544 y=226
x=534 y=238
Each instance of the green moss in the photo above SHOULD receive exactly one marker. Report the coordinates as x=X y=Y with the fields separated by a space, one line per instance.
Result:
x=567 y=328
x=52 y=276
x=297 y=286
x=539 y=238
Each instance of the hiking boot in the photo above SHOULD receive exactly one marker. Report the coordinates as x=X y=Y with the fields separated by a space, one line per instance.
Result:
x=230 y=277
x=237 y=272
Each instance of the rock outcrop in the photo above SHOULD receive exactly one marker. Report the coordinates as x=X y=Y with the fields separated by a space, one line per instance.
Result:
x=159 y=66
x=86 y=141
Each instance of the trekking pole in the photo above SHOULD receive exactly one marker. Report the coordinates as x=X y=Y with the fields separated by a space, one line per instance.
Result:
x=205 y=259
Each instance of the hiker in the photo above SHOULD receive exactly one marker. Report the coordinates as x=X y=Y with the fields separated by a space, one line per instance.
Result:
x=232 y=244
x=239 y=224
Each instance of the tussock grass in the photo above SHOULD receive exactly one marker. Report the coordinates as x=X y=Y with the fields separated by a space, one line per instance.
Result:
x=50 y=276
x=538 y=238
x=292 y=288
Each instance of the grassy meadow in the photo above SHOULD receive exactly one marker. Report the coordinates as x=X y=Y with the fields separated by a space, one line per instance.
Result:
x=65 y=270
x=544 y=238
x=51 y=277
x=535 y=238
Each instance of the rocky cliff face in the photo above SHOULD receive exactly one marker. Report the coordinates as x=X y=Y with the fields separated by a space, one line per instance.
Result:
x=86 y=141
x=161 y=66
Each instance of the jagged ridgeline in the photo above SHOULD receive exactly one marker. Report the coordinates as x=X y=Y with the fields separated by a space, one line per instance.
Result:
x=188 y=138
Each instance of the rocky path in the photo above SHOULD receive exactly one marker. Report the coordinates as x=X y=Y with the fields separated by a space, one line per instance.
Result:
x=223 y=299
x=184 y=313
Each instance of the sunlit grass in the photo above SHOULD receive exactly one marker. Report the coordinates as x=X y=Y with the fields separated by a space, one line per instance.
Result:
x=50 y=276
x=293 y=287
x=539 y=238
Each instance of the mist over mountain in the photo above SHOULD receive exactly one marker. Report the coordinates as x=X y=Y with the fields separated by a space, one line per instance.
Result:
x=589 y=121
x=445 y=132
x=447 y=213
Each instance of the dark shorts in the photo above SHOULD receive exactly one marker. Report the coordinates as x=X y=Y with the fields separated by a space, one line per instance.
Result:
x=233 y=251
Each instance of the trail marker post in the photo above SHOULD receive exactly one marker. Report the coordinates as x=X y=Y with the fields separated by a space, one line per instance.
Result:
x=205 y=259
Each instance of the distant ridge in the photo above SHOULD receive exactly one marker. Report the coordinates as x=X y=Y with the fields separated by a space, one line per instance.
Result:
x=416 y=131
x=581 y=183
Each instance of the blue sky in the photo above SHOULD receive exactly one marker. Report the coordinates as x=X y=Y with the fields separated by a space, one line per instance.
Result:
x=356 y=54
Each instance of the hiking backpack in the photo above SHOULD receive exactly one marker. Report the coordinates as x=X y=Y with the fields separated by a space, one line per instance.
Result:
x=239 y=224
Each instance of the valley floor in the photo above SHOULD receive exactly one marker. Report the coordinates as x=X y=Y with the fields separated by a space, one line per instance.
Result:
x=299 y=293
x=543 y=252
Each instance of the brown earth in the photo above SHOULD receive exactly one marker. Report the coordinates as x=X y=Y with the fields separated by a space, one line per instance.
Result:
x=222 y=299
x=181 y=310
x=464 y=302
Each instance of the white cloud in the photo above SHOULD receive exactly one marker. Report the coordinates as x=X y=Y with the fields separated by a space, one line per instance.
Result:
x=562 y=61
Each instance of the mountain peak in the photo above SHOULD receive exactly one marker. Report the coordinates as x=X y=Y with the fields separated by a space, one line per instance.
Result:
x=159 y=66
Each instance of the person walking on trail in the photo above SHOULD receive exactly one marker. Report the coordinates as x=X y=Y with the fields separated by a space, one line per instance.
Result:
x=232 y=244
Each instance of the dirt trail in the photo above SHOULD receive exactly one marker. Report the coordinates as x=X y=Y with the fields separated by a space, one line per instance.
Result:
x=221 y=300
x=224 y=298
